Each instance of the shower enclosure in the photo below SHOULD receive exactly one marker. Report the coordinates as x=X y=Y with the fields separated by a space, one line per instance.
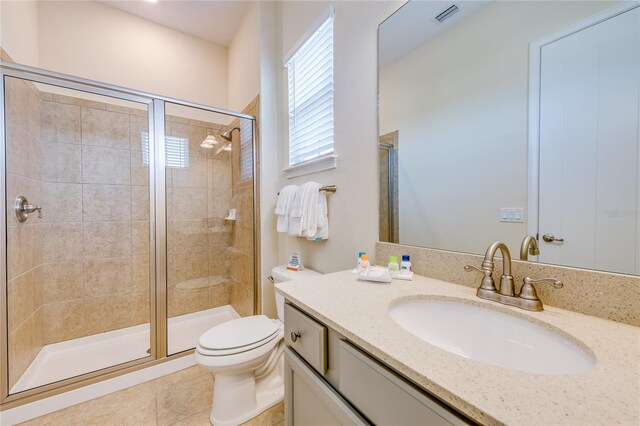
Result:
x=119 y=246
x=388 y=219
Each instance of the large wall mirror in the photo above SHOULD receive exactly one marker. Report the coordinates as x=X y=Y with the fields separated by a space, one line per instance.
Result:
x=503 y=119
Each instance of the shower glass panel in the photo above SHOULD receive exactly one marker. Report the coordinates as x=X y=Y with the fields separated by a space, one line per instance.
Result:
x=78 y=281
x=210 y=238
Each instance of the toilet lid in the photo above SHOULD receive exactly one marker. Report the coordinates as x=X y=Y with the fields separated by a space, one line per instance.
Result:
x=239 y=333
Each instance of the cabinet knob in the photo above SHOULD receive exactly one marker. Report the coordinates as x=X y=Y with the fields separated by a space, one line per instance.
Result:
x=295 y=336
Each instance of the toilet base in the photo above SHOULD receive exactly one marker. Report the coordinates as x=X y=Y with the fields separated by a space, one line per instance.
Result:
x=238 y=398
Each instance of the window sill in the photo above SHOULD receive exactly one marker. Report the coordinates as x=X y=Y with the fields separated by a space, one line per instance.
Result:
x=312 y=166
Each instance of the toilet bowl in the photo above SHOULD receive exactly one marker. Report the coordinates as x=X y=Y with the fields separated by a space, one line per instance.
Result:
x=246 y=357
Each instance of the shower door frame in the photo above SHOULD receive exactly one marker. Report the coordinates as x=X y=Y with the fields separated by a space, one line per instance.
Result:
x=157 y=233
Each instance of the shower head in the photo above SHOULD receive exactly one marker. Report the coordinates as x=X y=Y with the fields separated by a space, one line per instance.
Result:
x=226 y=140
x=226 y=136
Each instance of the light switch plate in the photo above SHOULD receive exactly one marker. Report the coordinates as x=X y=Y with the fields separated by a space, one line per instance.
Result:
x=512 y=214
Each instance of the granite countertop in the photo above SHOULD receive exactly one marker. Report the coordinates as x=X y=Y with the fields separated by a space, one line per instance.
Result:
x=609 y=393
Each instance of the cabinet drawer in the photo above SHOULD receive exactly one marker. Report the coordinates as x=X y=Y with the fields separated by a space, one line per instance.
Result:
x=310 y=400
x=307 y=337
x=385 y=398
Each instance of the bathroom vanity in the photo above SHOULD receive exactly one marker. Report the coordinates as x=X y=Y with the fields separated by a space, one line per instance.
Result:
x=349 y=362
x=329 y=380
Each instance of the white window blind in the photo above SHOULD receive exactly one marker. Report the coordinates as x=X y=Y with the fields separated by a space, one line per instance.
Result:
x=177 y=151
x=310 y=72
x=246 y=149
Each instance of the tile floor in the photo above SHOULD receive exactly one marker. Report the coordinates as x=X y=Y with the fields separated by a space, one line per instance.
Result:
x=182 y=398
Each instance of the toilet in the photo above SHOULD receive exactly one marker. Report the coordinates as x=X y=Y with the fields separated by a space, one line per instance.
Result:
x=246 y=357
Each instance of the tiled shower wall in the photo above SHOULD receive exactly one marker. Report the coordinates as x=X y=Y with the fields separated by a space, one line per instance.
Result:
x=198 y=237
x=96 y=241
x=96 y=217
x=24 y=257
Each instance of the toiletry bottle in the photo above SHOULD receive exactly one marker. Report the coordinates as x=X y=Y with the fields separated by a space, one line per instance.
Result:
x=363 y=264
x=406 y=263
x=393 y=265
x=360 y=254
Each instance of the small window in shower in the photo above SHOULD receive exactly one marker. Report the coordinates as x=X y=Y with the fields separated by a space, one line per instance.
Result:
x=177 y=151
x=246 y=150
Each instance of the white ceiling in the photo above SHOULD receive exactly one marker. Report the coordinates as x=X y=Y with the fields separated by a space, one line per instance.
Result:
x=214 y=21
x=414 y=24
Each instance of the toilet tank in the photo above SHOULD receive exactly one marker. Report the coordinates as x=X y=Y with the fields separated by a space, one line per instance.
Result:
x=282 y=274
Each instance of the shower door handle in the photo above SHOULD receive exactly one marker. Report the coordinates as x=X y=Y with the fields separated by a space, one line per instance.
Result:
x=23 y=209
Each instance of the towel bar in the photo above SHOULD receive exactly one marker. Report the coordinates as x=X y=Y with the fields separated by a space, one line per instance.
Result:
x=327 y=188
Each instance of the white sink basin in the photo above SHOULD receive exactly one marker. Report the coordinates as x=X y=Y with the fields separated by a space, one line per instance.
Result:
x=491 y=337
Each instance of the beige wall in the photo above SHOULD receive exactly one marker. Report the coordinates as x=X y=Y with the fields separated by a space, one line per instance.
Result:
x=244 y=60
x=353 y=209
x=19 y=30
x=24 y=240
x=94 y=41
x=268 y=153
x=91 y=40
x=460 y=104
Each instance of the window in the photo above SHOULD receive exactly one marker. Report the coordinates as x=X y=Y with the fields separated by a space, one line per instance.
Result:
x=177 y=151
x=246 y=149
x=310 y=72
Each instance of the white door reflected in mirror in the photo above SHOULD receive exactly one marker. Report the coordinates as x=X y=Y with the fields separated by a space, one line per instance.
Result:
x=511 y=104
x=589 y=147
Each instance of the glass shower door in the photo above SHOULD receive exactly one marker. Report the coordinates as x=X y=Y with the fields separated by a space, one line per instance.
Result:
x=78 y=232
x=210 y=238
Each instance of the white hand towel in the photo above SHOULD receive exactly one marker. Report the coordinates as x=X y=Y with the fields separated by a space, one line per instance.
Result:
x=322 y=232
x=295 y=213
x=303 y=210
x=283 y=206
x=310 y=219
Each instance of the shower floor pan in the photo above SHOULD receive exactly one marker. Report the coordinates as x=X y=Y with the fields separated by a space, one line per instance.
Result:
x=72 y=358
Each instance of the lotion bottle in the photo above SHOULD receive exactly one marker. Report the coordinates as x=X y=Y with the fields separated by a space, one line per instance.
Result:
x=394 y=268
x=406 y=263
x=363 y=263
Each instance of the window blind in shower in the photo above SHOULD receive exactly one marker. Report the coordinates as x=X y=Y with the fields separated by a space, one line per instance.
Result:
x=310 y=72
x=176 y=151
x=246 y=149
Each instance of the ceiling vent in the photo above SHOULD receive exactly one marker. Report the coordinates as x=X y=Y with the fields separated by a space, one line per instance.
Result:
x=446 y=14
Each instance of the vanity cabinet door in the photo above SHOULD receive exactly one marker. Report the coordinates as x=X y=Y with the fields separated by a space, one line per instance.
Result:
x=386 y=398
x=309 y=400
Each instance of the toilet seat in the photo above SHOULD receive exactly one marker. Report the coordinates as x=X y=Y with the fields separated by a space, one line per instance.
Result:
x=239 y=360
x=238 y=336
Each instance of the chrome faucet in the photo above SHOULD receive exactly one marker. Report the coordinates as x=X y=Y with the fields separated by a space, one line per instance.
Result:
x=527 y=298
x=529 y=247
x=488 y=284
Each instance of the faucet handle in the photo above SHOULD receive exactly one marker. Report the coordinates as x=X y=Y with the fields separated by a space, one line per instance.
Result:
x=554 y=282
x=528 y=291
x=488 y=284
x=471 y=268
